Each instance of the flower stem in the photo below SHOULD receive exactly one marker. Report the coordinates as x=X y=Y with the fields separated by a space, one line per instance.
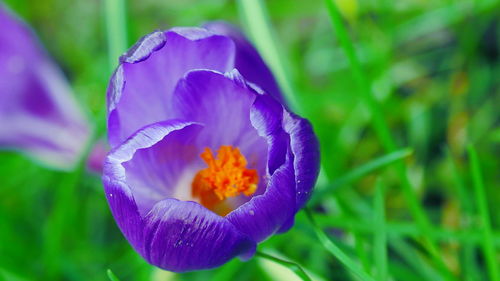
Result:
x=290 y=265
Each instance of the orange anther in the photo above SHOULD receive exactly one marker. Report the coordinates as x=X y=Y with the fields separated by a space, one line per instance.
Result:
x=226 y=176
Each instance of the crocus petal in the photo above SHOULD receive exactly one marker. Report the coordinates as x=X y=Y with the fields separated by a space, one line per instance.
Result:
x=182 y=236
x=287 y=132
x=140 y=90
x=266 y=116
x=274 y=210
x=148 y=161
x=265 y=214
x=123 y=206
x=174 y=235
x=305 y=148
x=38 y=114
x=119 y=191
x=248 y=61
x=164 y=169
x=222 y=103
x=292 y=138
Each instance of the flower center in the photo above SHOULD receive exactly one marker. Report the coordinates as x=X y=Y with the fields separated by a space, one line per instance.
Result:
x=226 y=176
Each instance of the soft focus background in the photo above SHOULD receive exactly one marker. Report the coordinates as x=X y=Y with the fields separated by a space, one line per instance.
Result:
x=427 y=72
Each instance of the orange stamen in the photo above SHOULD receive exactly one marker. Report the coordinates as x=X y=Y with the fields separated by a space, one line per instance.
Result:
x=226 y=176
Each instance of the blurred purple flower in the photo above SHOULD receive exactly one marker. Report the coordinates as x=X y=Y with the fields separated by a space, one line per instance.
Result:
x=206 y=162
x=95 y=159
x=38 y=114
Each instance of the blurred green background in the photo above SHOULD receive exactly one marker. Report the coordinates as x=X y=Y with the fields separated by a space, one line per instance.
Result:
x=396 y=91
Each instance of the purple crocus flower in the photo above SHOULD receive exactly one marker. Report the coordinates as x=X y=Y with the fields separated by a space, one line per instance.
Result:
x=38 y=114
x=206 y=161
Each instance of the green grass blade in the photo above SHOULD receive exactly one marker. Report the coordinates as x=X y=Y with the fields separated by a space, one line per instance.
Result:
x=380 y=236
x=297 y=269
x=360 y=172
x=337 y=252
x=404 y=229
x=459 y=185
x=471 y=271
x=116 y=37
x=413 y=258
x=116 y=30
x=254 y=14
x=111 y=275
x=402 y=272
x=482 y=204
x=362 y=253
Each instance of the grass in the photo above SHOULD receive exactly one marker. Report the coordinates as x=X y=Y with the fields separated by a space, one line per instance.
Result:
x=380 y=236
x=255 y=16
x=111 y=275
x=487 y=236
x=116 y=30
x=396 y=93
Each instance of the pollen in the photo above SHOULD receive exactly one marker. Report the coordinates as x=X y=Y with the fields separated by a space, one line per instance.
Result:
x=225 y=176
